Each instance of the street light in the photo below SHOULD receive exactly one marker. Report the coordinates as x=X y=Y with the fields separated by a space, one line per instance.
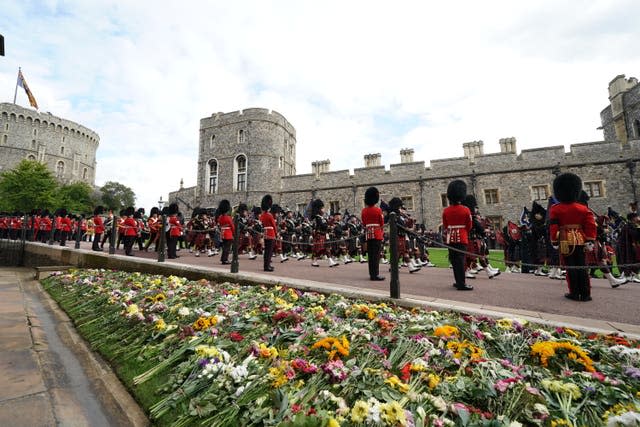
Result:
x=162 y=238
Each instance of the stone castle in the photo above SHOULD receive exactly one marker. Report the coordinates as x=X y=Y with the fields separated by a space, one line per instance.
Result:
x=67 y=148
x=246 y=154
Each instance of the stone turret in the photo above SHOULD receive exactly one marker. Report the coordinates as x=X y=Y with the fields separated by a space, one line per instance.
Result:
x=372 y=160
x=320 y=166
x=508 y=145
x=406 y=155
x=618 y=87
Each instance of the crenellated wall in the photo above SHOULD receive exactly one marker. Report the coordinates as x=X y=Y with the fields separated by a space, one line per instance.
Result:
x=67 y=148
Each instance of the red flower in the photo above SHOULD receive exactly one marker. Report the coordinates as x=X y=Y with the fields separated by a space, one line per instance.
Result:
x=405 y=372
x=235 y=336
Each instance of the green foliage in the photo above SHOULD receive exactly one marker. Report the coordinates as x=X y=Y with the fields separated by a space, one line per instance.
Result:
x=76 y=197
x=28 y=186
x=117 y=196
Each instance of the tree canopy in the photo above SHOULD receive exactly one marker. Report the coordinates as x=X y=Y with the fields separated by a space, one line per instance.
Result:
x=117 y=196
x=30 y=185
x=76 y=197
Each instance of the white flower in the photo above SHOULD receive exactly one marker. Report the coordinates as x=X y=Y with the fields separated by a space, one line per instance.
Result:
x=238 y=373
x=239 y=391
x=629 y=419
x=184 y=311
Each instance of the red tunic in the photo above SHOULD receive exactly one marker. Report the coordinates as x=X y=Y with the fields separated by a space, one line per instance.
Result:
x=98 y=224
x=130 y=227
x=571 y=216
x=175 y=228
x=269 y=225
x=226 y=227
x=65 y=224
x=373 y=221
x=456 y=220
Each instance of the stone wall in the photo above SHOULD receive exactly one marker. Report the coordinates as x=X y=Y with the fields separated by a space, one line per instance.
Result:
x=28 y=134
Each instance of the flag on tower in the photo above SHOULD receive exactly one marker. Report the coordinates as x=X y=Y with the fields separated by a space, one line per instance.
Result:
x=23 y=84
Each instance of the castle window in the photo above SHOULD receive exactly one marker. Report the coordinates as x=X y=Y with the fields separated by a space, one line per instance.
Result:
x=444 y=201
x=6 y=126
x=35 y=132
x=213 y=176
x=31 y=157
x=241 y=173
x=33 y=144
x=491 y=196
x=241 y=136
x=281 y=162
x=62 y=150
x=84 y=173
x=495 y=221
x=407 y=201
x=64 y=139
x=334 y=207
x=540 y=192
x=636 y=126
x=301 y=207
x=4 y=139
x=211 y=141
x=60 y=169
x=594 y=188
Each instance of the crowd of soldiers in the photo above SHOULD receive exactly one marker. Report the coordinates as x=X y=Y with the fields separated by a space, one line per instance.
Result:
x=337 y=237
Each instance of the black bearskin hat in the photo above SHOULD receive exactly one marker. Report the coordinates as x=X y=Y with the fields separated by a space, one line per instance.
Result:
x=242 y=207
x=456 y=191
x=224 y=207
x=154 y=210
x=584 y=198
x=395 y=204
x=137 y=214
x=566 y=187
x=173 y=209
x=275 y=209
x=129 y=211
x=61 y=212
x=470 y=202
x=266 y=202
x=99 y=210
x=166 y=211
x=371 y=196
x=536 y=208
x=316 y=205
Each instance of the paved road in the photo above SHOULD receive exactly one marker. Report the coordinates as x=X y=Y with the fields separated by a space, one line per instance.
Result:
x=523 y=292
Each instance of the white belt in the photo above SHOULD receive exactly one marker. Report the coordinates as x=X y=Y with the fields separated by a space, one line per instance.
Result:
x=457 y=226
x=268 y=228
x=373 y=225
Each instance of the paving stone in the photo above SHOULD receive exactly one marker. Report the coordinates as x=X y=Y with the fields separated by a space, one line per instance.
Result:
x=29 y=411
x=20 y=374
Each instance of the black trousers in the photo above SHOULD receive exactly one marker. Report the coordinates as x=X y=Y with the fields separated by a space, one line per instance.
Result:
x=172 y=243
x=226 y=247
x=63 y=238
x=577 y=278
x=96 y=242
x=457 y=262
x=268 y=251
x=373 y=257
x=128 y=244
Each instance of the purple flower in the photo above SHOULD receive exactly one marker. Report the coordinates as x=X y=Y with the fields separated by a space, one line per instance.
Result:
x=633 y=372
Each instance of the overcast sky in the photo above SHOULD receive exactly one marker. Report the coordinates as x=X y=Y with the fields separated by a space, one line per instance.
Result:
x=353 y=77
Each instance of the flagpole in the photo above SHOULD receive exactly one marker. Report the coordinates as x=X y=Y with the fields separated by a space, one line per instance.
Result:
x=15 y=94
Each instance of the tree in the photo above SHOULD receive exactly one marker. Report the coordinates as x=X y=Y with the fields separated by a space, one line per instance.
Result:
x=117 y=196
x=30 y=185
x=76 y=197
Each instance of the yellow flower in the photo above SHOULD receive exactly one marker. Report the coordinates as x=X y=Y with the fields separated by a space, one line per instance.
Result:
x=132 y=310
x=505 y=323
x=463 y=348
x=333 y=423
x=396 y=383
x=201 y=324
x=267 y=352
x=434 y=380
x=446 y=331
x=159 y=325
x=359 y=411
x=393 y=414
x=234 y=292
x=207 y=351
x=334 y=345
x=546 y=350
x=292 y=294
x=160 y=297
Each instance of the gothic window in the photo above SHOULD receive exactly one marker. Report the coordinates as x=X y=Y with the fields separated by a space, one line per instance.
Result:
x=540 y=192
x=211 y=141
x=495 y=221
x=31 y=157
x=62 y=150
x=35 y=132
x=241 y=173
x=60 y=169
x=213 y=176
x=84 y=173
x=64 y=138
x=334 y=207
x=444 y=201
x=281 y=162
x=241 y=136
x=594 y=188
x=33 y=144
x=491 y=196
x=4 y=139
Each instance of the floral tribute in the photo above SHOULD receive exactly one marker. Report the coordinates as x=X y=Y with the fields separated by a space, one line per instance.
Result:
x=201 y=353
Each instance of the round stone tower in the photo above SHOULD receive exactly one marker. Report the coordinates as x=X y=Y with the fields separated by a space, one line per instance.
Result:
x=67 y=148
x=243 y=155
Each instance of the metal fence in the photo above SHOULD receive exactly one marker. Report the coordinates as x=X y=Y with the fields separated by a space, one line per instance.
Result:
x=12 y=251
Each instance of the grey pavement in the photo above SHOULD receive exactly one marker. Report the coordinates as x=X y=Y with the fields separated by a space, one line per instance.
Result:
x=49 y=375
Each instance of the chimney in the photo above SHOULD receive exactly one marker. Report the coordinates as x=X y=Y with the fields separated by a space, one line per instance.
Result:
x=372 y=160
x=473 y=149
x=320 y=166
x=406 y=155
x=508 y=145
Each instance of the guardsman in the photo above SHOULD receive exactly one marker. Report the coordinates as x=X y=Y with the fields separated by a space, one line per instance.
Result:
x=269 y=226
x=457 y=223
x=373 y=222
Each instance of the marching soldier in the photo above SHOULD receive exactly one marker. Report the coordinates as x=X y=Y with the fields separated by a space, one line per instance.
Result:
x=373 y=221
x=457 y=223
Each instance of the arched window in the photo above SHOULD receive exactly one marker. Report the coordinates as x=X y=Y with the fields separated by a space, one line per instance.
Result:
x=240 y=174
x=33 y=144
x=240 y=136
x=4 y=139
x=60 y=169
x=213 y=176
x=211 y=141
x=31 y=157
x=84 y=173
x=62 y=150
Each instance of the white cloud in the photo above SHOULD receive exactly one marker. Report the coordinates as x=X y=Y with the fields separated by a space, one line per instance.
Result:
x=352 y=77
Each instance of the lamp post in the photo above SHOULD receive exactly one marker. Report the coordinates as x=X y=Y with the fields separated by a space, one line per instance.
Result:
x=162 y=237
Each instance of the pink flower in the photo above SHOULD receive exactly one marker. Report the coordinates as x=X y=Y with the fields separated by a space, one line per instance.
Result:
x=599 y=376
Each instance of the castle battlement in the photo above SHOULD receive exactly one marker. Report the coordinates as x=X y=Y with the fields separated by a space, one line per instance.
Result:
x=256 y=114
x=13 y=112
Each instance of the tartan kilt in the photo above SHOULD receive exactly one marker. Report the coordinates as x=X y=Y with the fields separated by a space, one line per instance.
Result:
x=402 y=246
x=191 y=236
x=318 y=244
x=198 y=239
